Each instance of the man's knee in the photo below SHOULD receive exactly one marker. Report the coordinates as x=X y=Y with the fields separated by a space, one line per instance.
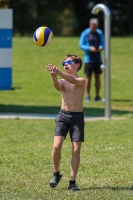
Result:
x=88 y=79
x=76 y=150
x=57 y=147
x=97 y=76
x=58 y=141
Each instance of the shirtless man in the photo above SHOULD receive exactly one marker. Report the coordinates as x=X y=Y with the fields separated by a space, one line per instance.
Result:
x=70 y=117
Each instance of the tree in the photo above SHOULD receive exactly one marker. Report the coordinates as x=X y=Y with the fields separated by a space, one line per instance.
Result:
x=121 y=15
x=68 y=17
x=29 y=15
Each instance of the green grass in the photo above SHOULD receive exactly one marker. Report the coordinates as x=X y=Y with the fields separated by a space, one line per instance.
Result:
x=106 y=168
x=105 y=173
x=34 y=92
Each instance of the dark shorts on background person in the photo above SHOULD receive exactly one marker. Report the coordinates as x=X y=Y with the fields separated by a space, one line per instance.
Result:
x=72 y=122
x=89 y=68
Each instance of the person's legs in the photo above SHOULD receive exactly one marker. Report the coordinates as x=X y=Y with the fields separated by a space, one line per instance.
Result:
x=88 y=85
x=97 y=71
x=56 y=156
x=88 y=71
x=56 y=152
x=76 y=147
x=97 y=83
x=60 y=134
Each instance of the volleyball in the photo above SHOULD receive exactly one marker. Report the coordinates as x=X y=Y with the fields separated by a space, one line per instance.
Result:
x=43 y=36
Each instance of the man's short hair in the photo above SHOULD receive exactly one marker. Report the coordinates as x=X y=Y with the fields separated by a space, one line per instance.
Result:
x=94 y=21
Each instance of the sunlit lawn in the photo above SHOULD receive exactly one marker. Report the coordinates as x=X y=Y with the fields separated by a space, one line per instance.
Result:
x=106 y=168
x=34 y=92
x=105 y=173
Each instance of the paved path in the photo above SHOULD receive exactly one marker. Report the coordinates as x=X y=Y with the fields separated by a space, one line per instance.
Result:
x=40 y=116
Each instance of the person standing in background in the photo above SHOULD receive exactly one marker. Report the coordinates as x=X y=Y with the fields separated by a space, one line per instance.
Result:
x=92 y=43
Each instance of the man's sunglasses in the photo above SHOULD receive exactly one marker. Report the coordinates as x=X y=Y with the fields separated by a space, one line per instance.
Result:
x=69 y=62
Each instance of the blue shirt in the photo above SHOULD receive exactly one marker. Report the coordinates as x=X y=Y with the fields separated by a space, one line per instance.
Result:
x=88 y=39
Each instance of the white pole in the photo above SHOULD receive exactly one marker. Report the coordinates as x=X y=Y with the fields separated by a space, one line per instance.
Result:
x=107 y=17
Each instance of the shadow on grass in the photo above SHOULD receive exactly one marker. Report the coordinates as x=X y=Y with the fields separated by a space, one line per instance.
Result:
x=122 y=100
x=96 y=112
x=117 y=188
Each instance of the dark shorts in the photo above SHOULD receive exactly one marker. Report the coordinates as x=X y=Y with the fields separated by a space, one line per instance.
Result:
x=72 y=122
x=92 y=67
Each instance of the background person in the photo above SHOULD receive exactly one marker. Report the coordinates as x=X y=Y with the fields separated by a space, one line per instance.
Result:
x=92 y=42
x=70 y=118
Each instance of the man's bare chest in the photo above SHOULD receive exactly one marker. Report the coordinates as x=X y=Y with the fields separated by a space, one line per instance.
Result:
x=69 y=87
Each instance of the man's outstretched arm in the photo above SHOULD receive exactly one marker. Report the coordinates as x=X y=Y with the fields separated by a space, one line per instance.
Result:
x=67 y=77
x=57 y=83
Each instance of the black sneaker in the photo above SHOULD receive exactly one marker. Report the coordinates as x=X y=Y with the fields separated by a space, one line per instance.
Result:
x=97 y=98
x=55 y=180
x=73 y=187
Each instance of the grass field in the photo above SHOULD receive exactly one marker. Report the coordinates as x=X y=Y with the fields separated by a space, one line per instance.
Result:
x=105 y=173
x=34 y=91
x=106 y=169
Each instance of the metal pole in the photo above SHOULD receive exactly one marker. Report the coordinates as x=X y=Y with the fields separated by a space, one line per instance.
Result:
x=106 y=11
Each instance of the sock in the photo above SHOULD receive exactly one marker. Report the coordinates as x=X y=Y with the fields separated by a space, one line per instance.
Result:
x=57 y=174
x=71 y=182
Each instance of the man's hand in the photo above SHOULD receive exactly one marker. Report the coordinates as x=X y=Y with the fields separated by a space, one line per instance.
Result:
x=52 y=69
x=95 y=50
x=100 y=48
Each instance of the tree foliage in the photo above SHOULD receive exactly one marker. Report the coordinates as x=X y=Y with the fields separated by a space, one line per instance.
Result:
x=121 y=15
x=68 y=17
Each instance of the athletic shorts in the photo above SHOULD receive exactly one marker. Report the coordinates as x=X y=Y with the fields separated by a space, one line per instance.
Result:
x=92 y=67
x=72 y=122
